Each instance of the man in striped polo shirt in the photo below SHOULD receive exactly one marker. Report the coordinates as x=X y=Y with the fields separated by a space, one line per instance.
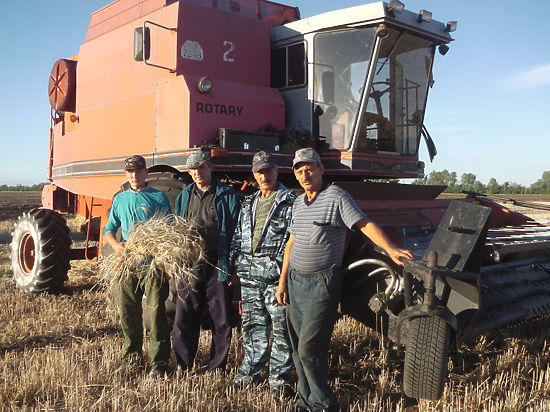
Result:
x=311 y=281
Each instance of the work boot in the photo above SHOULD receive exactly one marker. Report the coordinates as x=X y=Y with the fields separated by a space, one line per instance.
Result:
x=245 y=381
x=159 y=372
x=130 y=366
x=286 y=391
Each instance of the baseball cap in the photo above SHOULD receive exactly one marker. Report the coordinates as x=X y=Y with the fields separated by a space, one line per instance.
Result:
x=263 y=160
x=195 y=160
x=307 y=155
x=135 y=162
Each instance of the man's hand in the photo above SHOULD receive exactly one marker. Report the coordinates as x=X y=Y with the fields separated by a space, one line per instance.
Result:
x=120 y=248
x=282 y=293
x=377 y=235
x=396 y=255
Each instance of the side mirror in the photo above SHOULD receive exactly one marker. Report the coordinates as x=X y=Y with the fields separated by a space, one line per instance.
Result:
x=142 y=44
x=327 y=82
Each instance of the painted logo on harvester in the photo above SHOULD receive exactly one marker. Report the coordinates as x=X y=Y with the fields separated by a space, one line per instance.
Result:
x=192 y=50
x=216 y=108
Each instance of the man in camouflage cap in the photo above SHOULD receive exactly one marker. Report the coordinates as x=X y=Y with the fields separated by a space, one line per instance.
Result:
x=311 y=279
x=215 y=206
x=257 y=251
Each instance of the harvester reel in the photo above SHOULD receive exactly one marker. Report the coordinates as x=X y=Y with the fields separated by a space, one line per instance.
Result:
x=40 y=249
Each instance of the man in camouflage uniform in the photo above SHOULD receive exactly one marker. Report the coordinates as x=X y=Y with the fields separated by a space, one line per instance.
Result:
x=257 y=250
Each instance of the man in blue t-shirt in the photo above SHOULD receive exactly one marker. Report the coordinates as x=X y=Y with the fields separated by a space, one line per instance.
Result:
x=311 y=281
x=139 y=203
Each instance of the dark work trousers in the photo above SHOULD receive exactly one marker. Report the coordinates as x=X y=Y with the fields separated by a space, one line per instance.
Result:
x=311 y=315
x=156 y=292
x=206 y=292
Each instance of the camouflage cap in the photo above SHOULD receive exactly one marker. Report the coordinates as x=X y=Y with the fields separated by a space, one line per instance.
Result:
x=135 y=162
x=263 y=160
x=197 y=159
x=307 y=155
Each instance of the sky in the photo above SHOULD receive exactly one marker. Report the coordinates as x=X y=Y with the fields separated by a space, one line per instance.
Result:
x=487 y=111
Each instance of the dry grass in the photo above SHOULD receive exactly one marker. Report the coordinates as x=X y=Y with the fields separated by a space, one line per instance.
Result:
x=59 y=352
x=168 y=244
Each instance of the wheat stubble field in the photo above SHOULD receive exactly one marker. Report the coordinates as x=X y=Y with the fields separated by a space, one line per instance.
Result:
x=59 y=352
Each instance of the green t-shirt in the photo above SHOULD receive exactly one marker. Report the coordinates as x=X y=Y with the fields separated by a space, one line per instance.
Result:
x=262 y=210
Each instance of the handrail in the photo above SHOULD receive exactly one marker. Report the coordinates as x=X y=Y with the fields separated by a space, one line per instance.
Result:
x=172 y=29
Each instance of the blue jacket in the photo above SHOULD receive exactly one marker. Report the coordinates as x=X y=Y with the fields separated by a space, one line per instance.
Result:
x=227 y=208
x=265 y=264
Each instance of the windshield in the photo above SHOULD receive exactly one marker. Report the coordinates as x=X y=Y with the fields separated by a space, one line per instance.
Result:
x=394 y=111
x=341 y=64
x=395 y=108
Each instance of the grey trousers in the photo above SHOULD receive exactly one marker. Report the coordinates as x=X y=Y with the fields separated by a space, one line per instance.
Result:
x=311 y=315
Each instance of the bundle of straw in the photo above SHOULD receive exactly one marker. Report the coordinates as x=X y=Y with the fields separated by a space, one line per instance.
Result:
x=168 y=244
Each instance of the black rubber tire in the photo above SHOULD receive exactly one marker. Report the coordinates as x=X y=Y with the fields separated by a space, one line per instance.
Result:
x=426 y=358
x=40 y=250
x=167 y=183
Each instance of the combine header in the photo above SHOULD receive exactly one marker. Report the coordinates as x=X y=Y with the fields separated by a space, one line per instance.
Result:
x=168 y=78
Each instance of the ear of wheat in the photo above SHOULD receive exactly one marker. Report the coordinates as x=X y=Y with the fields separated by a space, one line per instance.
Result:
x=164 y=244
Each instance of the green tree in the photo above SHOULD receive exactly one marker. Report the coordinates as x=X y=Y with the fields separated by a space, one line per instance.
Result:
x=542 y=185
x=493 y=187
x=467 y=181
x=443 y=178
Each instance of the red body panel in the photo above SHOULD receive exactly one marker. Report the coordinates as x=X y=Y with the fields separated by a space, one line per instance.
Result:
x=124 y=106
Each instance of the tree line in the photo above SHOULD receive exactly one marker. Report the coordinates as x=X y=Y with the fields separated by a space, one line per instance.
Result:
x=21 y=188
x=469 y=182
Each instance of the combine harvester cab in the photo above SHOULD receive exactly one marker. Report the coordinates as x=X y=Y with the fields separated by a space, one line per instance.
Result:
x=167 y=78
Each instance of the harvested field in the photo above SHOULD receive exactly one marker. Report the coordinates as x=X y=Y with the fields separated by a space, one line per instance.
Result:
x=59 y=352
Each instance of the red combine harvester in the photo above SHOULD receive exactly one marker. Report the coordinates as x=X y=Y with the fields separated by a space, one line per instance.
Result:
x=167 y=78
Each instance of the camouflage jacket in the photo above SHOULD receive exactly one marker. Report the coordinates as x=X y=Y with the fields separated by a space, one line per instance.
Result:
x=265 y=263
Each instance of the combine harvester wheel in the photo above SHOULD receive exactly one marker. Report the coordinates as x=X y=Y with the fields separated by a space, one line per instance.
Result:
x=40 y=251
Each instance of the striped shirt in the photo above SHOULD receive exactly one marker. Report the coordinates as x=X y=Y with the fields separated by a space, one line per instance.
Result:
x=319 y=228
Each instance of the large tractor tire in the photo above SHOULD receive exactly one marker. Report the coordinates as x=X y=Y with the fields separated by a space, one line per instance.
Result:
x=40 y=248
x=428 y=341
x=168 y=183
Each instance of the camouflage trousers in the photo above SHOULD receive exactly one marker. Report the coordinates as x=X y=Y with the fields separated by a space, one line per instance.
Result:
x=261 y=315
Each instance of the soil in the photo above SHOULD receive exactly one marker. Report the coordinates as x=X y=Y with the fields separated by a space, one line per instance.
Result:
x=13 y=204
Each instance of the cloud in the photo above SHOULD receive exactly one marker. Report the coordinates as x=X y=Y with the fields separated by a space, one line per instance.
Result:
x=538 y=76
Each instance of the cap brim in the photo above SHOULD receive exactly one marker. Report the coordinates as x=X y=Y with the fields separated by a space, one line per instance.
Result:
x=258 y=167
x=196 y=165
